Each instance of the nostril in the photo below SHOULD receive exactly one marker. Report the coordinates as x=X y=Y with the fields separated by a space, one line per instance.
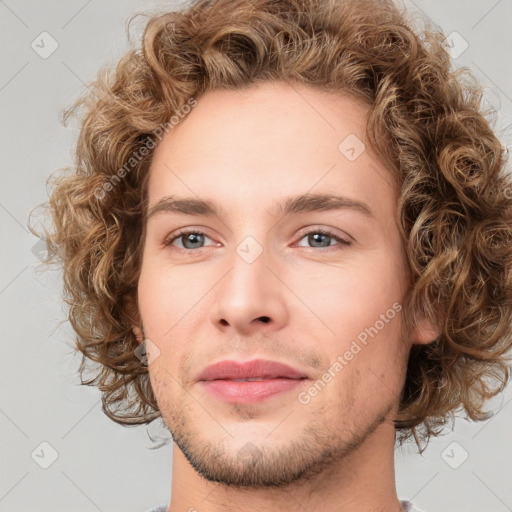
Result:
x=265 y=319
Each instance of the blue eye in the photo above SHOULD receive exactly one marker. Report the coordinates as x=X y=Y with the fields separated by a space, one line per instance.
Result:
x=188 y=237
x=320 y=237
x=194 y=240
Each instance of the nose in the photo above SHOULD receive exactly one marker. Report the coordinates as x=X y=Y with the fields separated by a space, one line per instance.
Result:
x=249 y=299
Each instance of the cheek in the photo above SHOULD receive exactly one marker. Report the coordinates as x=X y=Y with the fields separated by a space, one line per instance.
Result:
x=167 y=294
x=346 y=300
x=358 y=325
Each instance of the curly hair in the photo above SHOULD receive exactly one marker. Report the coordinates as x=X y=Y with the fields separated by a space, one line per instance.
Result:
x=455 y=196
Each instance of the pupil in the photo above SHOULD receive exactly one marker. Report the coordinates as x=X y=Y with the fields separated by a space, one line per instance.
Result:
x=190 y=238
x=322 y=243
x=196 y=238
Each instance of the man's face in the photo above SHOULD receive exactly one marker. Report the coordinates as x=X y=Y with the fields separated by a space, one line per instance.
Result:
x=257 y=284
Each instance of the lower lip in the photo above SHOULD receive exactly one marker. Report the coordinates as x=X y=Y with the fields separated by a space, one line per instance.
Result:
x=250 y=391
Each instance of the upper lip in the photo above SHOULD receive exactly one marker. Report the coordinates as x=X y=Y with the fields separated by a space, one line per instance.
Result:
x=257 y=368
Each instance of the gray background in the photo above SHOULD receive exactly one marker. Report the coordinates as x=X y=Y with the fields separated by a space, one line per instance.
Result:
x=101 y=465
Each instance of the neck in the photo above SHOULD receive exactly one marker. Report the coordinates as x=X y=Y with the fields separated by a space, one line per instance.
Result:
x=363 y=480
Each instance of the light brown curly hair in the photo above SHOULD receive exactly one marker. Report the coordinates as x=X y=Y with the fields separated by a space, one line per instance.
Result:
x=426 y=124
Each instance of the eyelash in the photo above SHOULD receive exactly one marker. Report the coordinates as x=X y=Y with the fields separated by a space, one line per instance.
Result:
x=324 y=232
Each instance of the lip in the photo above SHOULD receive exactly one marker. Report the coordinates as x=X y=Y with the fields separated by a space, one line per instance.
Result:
x=220 y=379
x=257 y=368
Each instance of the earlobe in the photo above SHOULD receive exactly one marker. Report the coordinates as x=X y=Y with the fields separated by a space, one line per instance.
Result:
x=133 y=313
x=425 y=331
x=138 y=333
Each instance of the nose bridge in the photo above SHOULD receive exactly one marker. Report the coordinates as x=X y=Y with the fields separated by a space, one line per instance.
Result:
x=249 y=295
x=246 y=282
x=250 y=256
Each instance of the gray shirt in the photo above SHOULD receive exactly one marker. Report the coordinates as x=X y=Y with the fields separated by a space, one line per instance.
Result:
x=408 y=507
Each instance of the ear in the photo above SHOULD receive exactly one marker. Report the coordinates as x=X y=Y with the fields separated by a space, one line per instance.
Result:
x=138 y=333
x=426 y=331
x=133 y=312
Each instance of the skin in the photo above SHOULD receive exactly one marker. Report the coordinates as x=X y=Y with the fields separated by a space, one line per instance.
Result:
x=244 y=150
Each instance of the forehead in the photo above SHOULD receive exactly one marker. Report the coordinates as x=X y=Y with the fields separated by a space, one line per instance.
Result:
x=258 y=145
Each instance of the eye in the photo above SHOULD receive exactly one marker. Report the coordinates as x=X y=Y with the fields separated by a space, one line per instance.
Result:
x=190 y=239
x=194 y=240
x=321 y=239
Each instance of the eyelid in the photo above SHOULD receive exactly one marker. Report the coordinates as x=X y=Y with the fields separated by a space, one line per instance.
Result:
x=327 y=231
x=330 y=232
x=175 y=235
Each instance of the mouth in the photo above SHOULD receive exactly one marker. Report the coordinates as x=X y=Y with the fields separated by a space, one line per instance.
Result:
x=250 y=382
x=256 y=369
x=250 y=391
x=245 y=380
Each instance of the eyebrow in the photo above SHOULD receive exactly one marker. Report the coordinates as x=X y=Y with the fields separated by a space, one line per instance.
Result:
x=289 y=205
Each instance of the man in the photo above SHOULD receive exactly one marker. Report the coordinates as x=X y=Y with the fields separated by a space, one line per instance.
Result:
x=289 y=236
